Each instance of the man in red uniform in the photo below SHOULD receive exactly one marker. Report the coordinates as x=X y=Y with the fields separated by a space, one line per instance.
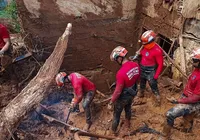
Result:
x=5 y=53
x=151 y=64
x=189 y=103
x=83 y=89
x=126 y=87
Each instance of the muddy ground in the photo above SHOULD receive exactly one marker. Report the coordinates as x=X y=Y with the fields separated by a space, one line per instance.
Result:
x=35 y=127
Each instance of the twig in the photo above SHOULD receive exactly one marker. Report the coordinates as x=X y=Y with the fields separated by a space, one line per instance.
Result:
x=106 y=100
x=107 y=81
x=172 y=45
x=11 y=133
x=29 y=75
x=99 y=92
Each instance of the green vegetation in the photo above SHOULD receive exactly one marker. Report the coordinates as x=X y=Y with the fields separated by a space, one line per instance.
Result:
x=10 y=12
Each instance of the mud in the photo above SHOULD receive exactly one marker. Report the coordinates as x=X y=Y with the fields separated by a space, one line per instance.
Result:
x=56 y=105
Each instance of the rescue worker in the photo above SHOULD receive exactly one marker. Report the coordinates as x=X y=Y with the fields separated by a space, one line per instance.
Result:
x=5 y=49
x=189 y=103
x=151 y=63
x=126 y=87
x=83 y=89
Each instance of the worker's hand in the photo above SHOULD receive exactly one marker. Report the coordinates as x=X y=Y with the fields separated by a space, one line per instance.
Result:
x=155 y=77
x=110 y=106
x=172 y=100
x=1 y=53
x=135 y=57
x=72 y=105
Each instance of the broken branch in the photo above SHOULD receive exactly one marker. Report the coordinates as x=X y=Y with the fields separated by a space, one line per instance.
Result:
x=34 y=92
x=99 y=92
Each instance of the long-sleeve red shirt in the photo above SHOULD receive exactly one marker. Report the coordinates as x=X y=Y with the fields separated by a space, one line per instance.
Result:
x=80 y=85
x=152 y=57
x=3 y=34
x=192 y=88
x=127 y=76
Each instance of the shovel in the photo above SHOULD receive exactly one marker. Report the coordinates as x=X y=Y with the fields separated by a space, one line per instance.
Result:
x=68 y=114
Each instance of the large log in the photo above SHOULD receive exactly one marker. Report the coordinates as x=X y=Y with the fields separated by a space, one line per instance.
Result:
x=35 y=91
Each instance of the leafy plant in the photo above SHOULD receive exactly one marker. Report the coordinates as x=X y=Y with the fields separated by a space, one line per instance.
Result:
x=10 y=12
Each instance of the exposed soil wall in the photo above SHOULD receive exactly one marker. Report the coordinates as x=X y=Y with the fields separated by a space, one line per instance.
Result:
x=98 y=27
x=155 y=16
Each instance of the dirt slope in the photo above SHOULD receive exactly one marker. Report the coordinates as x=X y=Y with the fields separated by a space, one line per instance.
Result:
x=145 y=113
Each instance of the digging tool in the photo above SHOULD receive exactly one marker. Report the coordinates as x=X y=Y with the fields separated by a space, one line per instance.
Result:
x=21 y=57
x=68 y=114
x=135 y=57
x=18 y=59
x=169 y=58
x=77 y=130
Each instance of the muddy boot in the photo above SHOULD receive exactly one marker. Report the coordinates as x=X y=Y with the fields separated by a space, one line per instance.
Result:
x=127 y=123
x=140 y=94
x=87 y=126
x=165 y=132
x=126 y=126
x=112 y=133
x=157 y=101
x=187 y=123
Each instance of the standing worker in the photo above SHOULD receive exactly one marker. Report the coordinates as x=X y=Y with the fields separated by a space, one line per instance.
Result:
x=5 y=52
x=189 y=103
x=83 y=89
x=126 y=87
x=151 y=64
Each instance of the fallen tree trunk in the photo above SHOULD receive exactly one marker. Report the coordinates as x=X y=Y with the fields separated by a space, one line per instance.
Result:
x=34 y=92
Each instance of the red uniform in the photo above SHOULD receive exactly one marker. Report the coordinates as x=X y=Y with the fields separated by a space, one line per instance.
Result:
x=3 y=34
x=126 y=77
x=192 y=89
x=153 y=57
x=81 y=85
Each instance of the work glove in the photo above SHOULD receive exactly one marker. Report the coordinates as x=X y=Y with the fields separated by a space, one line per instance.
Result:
x=1 y=53
x=172 y=100
x=135 y=57
x=74 y=107
x=110 y=106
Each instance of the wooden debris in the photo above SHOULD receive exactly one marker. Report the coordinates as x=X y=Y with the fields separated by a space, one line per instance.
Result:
x=76 y=130
x=100 y=93
x=34 y=92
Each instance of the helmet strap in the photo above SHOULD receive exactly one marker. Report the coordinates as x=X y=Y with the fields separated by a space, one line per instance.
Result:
x=66 y=77
x=120 y=63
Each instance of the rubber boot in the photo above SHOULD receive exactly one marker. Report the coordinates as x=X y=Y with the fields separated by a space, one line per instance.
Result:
x=188 y=123
x=127 y=123
x=165 y=132
x=87 y=126
x=157 y=101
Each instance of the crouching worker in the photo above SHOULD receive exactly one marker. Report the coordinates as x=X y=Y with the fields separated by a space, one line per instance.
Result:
x=189 y=103
x=126 y=87
x=83 y=89
x=5 y=48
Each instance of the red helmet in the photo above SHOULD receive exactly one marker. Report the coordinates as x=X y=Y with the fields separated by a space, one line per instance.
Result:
x=196 y=53
x=147 y=37
x=118 y=51
x=60 y=79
